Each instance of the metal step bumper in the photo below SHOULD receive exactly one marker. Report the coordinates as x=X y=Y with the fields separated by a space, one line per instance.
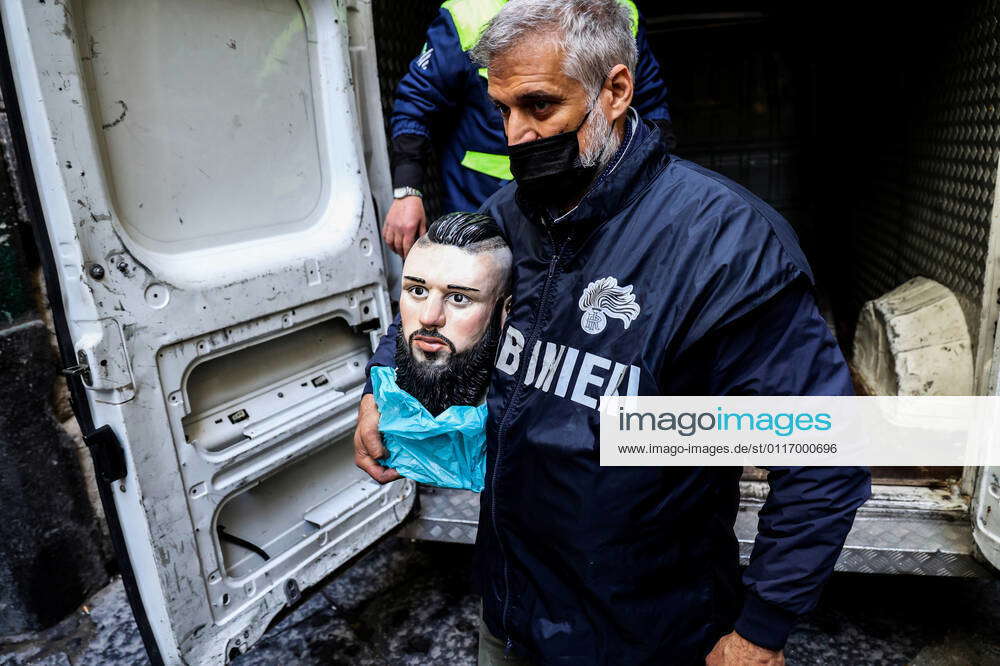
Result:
x=900 y=531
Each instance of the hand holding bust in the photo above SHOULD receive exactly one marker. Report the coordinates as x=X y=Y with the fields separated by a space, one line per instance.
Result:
x=455 y=283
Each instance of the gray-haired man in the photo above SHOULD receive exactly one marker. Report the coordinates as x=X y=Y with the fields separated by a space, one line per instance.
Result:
x=634 y=273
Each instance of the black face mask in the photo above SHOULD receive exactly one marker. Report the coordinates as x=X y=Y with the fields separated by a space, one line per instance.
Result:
x=548 y=171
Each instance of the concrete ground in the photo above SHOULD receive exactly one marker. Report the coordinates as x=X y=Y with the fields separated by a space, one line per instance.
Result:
x=413 y=603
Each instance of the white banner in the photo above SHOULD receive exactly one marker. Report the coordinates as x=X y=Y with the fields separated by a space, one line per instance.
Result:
x=882 y=431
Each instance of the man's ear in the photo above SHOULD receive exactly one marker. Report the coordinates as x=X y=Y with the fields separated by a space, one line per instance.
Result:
x=619 y=82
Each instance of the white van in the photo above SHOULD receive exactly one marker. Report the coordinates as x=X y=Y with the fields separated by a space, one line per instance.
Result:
x=205 y=178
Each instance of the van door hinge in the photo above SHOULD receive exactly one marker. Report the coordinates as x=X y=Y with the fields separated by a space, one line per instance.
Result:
x=103 y=365
x=109 y=458
x=82 y=368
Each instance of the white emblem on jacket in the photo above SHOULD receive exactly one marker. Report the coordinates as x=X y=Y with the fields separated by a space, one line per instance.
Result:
x=425 y=59
x=605 y=298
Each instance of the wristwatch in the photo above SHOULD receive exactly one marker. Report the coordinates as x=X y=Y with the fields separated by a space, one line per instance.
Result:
x=401 y=192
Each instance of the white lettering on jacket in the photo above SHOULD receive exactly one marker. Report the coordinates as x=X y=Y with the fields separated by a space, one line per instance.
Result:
x=509 y=357
x=589 y=379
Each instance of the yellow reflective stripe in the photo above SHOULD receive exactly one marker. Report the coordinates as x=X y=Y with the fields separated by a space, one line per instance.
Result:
x=629 y=5
x=497 y=166
x=470 y=17
x=482 y=72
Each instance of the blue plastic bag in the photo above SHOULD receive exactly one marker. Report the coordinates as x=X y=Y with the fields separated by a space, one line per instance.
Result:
x=448 y=451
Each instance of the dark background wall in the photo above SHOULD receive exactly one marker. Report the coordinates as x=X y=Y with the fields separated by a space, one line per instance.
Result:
x=53 y=550
x=871 y=126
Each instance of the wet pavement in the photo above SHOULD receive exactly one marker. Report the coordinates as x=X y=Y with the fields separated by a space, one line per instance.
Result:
x=413 y=603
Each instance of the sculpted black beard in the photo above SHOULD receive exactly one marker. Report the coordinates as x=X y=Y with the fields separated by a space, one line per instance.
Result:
x=462 y=380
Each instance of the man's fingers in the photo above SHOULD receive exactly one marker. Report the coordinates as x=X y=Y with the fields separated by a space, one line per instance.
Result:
x=375 y=470
x=389 y=230
x=391 y=241
x=369 y=463
x=371 y=444
x=389 y=475
x=408 y=240
x=367 y=438
x=368 y=447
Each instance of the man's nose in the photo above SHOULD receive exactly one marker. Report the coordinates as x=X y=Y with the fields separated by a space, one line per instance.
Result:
x=520 y=129
x=432 y=314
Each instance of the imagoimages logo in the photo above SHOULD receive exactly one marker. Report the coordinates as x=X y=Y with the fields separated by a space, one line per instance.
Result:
x=605 y=298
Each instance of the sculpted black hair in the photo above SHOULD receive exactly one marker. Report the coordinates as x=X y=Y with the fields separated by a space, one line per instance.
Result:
x=473 y=232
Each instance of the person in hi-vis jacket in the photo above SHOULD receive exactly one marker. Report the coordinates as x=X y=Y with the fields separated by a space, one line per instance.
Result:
x=441 y=105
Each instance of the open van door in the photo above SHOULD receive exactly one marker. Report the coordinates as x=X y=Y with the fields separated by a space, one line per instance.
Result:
x=985 y=509
x=986 y=514
x=196 y=173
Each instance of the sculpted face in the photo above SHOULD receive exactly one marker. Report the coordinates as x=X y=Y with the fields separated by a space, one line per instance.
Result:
x=448 y=299
x=454 y=281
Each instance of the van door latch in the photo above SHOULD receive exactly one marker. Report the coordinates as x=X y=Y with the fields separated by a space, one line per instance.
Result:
x=106 y=450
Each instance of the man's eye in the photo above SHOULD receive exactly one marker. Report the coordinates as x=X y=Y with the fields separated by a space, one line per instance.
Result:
x=502 y=109
x=541 y=106
x=459 y=299
x=417 y=290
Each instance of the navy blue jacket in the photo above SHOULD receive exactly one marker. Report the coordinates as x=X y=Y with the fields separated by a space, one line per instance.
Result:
x=443 y=98
x=582 y=564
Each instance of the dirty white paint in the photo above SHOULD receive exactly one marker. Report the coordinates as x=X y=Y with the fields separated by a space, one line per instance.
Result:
x=986 y=514
x=987 y=479
x=270 y=248
x=986 y=352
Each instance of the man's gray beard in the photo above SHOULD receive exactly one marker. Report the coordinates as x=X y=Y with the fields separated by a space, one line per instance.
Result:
x=461 y=380
x=602 y=142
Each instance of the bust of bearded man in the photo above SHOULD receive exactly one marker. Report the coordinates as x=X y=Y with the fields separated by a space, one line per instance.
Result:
x=452 y=306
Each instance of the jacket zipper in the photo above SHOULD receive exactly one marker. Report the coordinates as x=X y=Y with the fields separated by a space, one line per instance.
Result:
x=519 y=384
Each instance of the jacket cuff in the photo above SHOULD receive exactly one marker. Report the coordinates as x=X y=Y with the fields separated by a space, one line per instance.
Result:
x=409 y=160
x=763 y=623
x=408 y=174
x=369 y=388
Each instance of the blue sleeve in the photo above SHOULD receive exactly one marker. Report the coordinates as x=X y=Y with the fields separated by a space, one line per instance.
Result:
x=434 y=81
x=785 y=348
x=385 y=353
x=781 y=347
x=650 y=91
